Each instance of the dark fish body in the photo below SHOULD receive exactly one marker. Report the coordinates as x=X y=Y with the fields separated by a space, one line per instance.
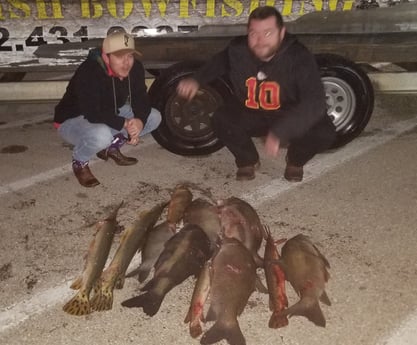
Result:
x=205 y=215
x=275 y=280
x=184 y=255
x=180 y=199
x=232 y=281
x=152 y=248
x=239 y=220
x=131 y=241
x=97 y=255
x=306 y=270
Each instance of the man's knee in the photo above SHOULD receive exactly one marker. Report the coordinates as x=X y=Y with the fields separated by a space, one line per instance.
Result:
x=153 y=121
x=101 y=137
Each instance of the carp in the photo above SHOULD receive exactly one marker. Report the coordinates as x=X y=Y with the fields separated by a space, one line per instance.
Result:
x=232 y=281
x=306 y=270
x=152 y=248
x=184 y=255
x=275 y=281
x=180 y=199
x=239 y=220
x=97 y=255
x=205 y=215
x=131 y=241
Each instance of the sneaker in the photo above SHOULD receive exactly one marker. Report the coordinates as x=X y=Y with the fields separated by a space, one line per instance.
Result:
x=247 y=173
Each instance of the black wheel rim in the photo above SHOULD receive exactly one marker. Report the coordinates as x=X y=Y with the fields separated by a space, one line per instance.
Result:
x=191 y=120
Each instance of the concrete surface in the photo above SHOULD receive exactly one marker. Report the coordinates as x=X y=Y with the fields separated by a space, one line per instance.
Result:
x=357 y=203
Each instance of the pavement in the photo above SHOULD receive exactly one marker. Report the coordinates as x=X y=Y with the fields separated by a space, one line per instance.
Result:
x=357 y=203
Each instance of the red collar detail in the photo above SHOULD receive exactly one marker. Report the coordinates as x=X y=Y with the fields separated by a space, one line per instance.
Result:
x=109 y=70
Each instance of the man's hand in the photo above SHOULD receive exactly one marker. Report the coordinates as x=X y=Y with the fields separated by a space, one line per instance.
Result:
x=133 y=140
x=134 y=128
x=187 y=88
x=272 y=145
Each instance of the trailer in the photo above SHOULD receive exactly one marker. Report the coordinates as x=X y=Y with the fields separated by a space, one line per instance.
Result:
x=348 y=38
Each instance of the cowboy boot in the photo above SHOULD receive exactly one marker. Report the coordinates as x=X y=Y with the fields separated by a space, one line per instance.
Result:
x=117 y=156
x=113 y=152
x=83 y=174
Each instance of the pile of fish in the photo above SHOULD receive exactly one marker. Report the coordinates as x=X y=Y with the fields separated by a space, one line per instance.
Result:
x=216 y=243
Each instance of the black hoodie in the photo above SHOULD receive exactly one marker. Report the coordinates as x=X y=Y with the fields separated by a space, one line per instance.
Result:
x=92 y=92
x=293 y=68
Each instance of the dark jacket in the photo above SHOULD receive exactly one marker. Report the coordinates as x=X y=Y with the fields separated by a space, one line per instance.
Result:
x=293 y=72
x=96 y=95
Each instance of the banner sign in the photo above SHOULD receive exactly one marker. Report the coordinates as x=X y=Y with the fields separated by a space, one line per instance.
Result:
x=24 y=25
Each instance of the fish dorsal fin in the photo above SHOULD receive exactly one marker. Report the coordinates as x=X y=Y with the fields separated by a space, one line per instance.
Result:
x=326 y=262
x=325 y=299
x=211 y=315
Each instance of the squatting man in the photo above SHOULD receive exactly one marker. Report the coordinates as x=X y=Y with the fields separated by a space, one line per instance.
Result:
x=277 y=93
x=106 y=105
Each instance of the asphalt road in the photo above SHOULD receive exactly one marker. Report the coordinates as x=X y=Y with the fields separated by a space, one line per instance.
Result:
x=357 y=203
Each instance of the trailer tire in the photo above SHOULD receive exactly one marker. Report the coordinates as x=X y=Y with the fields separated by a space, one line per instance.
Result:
x=349 y=96
x=186 y=127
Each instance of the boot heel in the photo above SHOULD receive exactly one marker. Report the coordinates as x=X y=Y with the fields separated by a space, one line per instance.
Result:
x=103 y=155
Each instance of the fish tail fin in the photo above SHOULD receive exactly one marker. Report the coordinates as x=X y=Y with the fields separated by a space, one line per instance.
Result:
x=311 y=310
x=195 y=328
x=102 y=300
x=220 y=330
x=278 y=320
x=150 y=302
x=195 y=325
x=143 y=274
x=78 y=305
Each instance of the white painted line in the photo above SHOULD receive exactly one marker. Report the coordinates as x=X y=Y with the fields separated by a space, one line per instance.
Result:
x=29 y=182
x=327 y=161
x=54 y=173
x=28 y=121
x=15 y=314
x=406 y=334
x=19 y=312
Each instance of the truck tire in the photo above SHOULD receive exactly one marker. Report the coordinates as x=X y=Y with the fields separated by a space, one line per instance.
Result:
x=186 y=127
x=349 y=96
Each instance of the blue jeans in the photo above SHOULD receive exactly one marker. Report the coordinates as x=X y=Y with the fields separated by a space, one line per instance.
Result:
x=89 y=138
